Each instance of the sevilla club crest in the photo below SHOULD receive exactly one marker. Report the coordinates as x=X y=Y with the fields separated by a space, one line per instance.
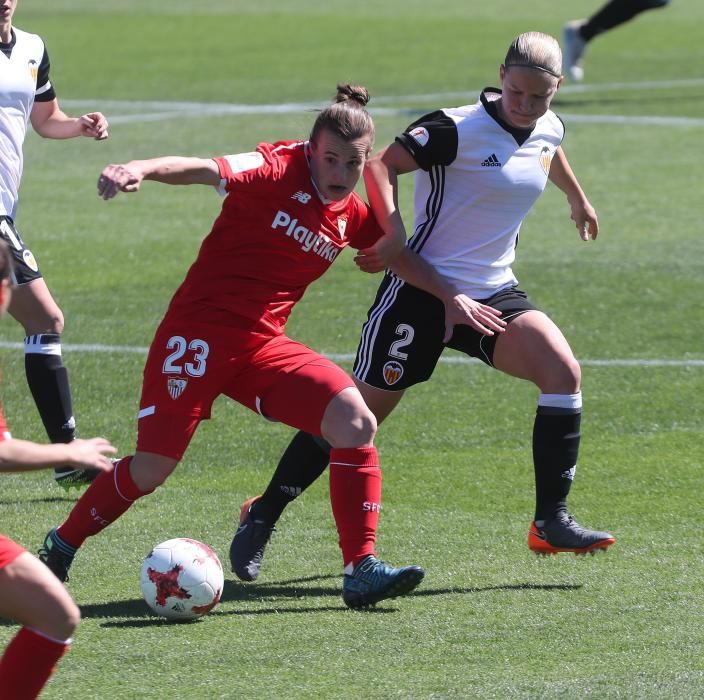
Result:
x=176 y=386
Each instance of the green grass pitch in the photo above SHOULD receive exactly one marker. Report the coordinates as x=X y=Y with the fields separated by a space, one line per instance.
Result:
x=490 y=620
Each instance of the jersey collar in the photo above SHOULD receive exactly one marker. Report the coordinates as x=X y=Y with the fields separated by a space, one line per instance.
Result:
x=7 y=48
x=488 y=99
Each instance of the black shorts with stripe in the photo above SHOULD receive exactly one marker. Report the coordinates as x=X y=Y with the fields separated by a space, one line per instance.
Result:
x=402 y=338
x=26 y=269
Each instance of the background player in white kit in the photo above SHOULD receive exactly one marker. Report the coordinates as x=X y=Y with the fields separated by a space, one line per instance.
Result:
x=479 y=170
x=578 y=33
x=26 y=94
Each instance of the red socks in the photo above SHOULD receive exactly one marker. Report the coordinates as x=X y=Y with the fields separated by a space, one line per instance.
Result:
x=105 y=500
x=355 y=494
x=28 y=661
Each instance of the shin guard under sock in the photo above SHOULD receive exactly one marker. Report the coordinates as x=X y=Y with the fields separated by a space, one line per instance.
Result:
x=27 y=664
x=48 y=381
x=555 y=449
x=104 y=501
x=355 y=495
x=301 y=464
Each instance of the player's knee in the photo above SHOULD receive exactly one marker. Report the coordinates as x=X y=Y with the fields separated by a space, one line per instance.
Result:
x=566 y=377
x=55 y=320
x=56 y=323
x=348 y=422
x=364 y=427
x=73 y=619
x=63 y=622
x=561 y=376
x=44 y=323
x=358 y=432
x=149 y=481
x=573 y=375
x=150 y=472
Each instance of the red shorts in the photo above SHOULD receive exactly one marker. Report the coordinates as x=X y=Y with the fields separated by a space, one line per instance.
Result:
x=189 y=366
x=9 y=551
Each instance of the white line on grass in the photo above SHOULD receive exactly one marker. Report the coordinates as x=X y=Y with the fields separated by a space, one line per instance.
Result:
x=630 y=119
x=160 y=110
x=387 y=99
x=346 y=357
x=617 y=119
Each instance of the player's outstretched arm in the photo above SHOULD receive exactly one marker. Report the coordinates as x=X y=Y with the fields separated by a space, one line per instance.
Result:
x=50 y=122
x=22 y=455
x=583 y=213
x=171 y=170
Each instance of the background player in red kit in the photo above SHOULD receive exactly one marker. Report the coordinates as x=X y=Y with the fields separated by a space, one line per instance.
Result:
x=29 y=593
x=288 y=212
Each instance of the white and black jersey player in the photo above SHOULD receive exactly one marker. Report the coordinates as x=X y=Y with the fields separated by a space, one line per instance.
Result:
x=478 y=171
x=27 y=95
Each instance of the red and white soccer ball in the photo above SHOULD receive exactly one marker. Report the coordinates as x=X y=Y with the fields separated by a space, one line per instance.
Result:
x=182 y=579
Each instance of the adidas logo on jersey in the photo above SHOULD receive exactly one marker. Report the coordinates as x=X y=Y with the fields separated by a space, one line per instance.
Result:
x=302 y=197
x=491 y=162
x=319 y=243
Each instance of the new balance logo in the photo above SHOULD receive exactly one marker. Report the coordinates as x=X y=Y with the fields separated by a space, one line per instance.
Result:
x=302 y=197
x=491 y=162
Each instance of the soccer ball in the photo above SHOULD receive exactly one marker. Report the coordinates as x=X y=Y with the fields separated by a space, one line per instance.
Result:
x=182 y=579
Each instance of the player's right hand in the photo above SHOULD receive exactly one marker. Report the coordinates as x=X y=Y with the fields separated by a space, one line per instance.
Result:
x=118 y=178
x=91 y=453
x=95 y=125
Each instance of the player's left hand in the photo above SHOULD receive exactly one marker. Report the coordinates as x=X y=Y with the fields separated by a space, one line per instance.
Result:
x=461 y=310
x=584 y=217
x=379 y=256
x=94 y=125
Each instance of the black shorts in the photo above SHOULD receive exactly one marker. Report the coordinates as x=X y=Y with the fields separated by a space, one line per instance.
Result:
x=402 y=339
x=26 y=267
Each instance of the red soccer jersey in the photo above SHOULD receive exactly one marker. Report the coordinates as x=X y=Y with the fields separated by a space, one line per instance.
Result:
x=273 y=237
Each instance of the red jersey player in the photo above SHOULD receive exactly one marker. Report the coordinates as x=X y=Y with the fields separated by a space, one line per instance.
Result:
x=289 y=210
x=29 y=593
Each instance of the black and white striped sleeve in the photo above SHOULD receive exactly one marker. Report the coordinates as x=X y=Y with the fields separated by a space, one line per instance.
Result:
x=431 y=140
x=45 y=90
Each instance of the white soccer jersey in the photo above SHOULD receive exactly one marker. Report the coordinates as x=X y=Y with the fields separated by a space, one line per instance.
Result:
x=24 y=77
x=478 y=181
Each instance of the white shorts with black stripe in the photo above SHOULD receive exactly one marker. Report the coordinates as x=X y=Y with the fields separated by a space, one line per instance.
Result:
x=402 y=338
